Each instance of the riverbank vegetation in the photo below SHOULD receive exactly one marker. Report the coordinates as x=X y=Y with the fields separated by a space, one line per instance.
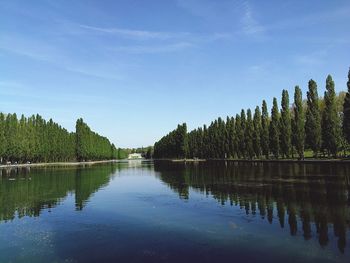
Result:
x=34 y=139
x=146 y=152
x=320 y=125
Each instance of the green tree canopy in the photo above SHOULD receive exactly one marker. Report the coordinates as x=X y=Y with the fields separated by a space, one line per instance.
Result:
x=331 y=126
x=285 y=126
x=274 y=130
x=299 y=123
x=346 y=112
x=265 y=124
x=313 y=119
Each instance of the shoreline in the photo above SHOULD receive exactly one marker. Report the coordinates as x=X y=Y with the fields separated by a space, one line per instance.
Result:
x=4 y=166
x=308 y=160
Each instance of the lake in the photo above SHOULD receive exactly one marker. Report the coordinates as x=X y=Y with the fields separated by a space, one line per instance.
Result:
x=143 y=211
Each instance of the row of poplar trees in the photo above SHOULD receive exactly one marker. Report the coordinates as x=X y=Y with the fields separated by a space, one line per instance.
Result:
x=317 y=124
x=173 y=145
x=33 y=139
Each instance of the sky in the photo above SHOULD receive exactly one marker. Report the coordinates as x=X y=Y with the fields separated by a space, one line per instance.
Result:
x=133 y=70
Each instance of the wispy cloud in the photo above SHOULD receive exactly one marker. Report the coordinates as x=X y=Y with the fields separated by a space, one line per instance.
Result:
x=155 y=41
x=241 y=14
x=250 y=25
x=156 y=35
x=136 y=34
x=28 y=47
x=56 y=56
x=142 y=49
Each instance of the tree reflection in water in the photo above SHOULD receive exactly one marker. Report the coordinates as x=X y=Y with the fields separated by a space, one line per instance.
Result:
x=304 y=194
x=24 y=195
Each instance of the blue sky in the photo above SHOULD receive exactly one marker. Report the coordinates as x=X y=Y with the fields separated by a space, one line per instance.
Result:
x=135 y=69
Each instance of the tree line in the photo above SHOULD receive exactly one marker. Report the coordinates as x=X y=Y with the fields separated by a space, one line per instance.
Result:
x=33 y=139
x=320 y=125
x=173 y=145
x=92 y=146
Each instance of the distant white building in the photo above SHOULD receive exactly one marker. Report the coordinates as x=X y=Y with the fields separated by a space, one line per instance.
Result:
x=135 y=156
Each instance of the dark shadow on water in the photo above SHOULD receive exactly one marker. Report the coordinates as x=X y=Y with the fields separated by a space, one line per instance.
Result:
x=26 y=192
x=300 y=195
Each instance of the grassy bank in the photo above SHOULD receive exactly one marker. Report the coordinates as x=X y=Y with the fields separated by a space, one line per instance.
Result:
x=306 y=160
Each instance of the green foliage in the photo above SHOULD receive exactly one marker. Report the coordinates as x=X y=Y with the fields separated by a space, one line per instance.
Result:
x=35 y=140
x=293 y=128
x=285 y=126
x=173 y=145
x=265 y=124
x=239 y=135
x=331 y=127
x=195 y=139
x=149 y=153
x=313 y=119
x=249 y=133
x=299 y=123
x=257 y=132
x=2 y=136
x=90 y=145
x=346 y=112
x=221 y=139
x=122 y=153
x=229 y=138
x=274 y=130
x=242 y=139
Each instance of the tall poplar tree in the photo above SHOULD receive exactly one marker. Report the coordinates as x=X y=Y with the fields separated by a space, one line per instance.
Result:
x=249 y=133
x=242 y=140
x=183 y=140
x=79 y=131
x=230 y=133
x=286 y=127
x=257 y=132
x=238 y=136
x=274 y=130
x=2 y=137
x=313 y=119
x=299 y=123
x=331 y=127
x=265 y=130
x=346 y=112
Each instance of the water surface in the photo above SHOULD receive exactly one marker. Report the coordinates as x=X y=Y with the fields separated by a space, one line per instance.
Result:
x=170 y=212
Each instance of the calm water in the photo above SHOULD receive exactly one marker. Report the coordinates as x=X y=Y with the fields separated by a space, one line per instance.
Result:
x=162 y=212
